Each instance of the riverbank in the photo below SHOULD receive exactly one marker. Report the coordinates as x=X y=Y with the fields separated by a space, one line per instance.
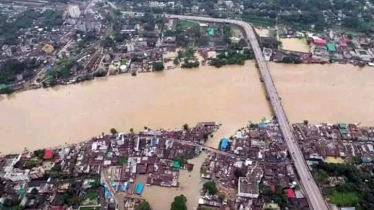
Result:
x=230 y=95
x=68 y=114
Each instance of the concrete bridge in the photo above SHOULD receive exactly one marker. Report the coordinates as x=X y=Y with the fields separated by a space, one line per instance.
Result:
x=308 y=184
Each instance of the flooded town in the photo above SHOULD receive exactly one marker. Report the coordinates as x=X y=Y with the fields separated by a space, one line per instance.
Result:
x=186 y=105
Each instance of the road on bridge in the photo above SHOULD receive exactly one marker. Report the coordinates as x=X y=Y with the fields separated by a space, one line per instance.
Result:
x=314 y=195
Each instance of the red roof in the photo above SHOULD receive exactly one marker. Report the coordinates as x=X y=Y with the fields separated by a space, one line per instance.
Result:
x=48 y=154
x=290 y=193
x=319 y=41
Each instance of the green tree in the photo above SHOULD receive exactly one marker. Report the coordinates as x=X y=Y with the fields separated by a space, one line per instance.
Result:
x=39 y=153
x=176 y=61
x=185 y=127
x=113 y=131
x=179 y=203
x=158 y=66
x=143 y=205
x=210 y=187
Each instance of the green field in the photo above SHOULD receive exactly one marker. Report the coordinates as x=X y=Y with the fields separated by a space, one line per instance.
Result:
x=91 y=195
x=185 y=24
x=344 y=199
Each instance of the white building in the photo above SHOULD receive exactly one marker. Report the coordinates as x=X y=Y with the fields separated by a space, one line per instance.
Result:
x=74 y=11
x=10 y=173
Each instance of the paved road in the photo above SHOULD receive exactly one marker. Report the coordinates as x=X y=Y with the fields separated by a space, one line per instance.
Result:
x=119 y=200
x=310 y=187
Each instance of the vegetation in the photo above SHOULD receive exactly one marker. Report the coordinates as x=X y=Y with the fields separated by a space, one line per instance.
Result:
x=92 y=195
x=62 y=70
x=143 y=205
x=185 y=127
x=357 y=189
x=100 y=73
x=232 y=57
x=39 y=153
x=277 y=195
x=182 y=161
x=11 y=29
x=188 y=53
x=113 y=131
x=122 y=160
x=190 y=64
x=30 y=164
x=210 y=187
x=292 y=59
x=179 y=203
x=158 y=66
x=344 y=199
x=9 y=69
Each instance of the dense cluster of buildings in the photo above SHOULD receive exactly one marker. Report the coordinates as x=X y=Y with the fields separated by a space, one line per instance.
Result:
x=259 y=163
x=329 y=47
x=156 y=154
x=335 y=143
x=253 y=161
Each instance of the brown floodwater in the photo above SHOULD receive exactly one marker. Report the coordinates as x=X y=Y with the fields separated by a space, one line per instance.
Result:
x=231 y=95
x=326 y=93
x=295 y=44
x=190 y=185
x=69 y=114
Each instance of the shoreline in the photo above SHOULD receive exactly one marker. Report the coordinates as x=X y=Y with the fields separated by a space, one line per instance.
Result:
x=66 y=84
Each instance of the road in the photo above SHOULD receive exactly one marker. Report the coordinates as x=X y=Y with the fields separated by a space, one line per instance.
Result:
x=118 y=198
x=313 y=193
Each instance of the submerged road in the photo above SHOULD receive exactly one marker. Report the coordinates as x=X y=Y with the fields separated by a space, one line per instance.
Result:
x=313 y=193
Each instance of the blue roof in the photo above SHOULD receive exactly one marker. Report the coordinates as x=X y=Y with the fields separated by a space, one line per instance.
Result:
x=224 y=143
x=262 y=125
x=49 y=68
x=139 y=188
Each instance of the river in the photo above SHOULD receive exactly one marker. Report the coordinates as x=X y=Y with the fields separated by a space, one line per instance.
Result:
x=231 y=95
x=326 y=93
x=68 y=114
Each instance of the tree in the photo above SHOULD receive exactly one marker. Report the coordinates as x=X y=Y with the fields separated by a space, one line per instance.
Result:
x=221 y=197
x=176 y=61
x=210 y=187
x=132 y=130
x=179 y=203
x=158 y=66
x=143 y=205
x=39 y=153
x=306 y=122
x=185 y=127
x=113 y=131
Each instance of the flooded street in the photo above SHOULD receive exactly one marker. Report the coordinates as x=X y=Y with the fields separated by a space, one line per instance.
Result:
x=51 y=117
x=190 y=185
x=326 y=93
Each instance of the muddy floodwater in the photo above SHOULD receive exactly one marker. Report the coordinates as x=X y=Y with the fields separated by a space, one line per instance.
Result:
x=230 y=95
x=295 y=44
x=326 y=93
x=190 y=185
x=68 y=114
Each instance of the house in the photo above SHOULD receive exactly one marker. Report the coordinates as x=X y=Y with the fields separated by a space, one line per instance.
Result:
x=331 y=47
x=343 y=128
x=290 y=193
x=48 y=154
x=224 y=144
x=248 y=187
x=319 y=41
